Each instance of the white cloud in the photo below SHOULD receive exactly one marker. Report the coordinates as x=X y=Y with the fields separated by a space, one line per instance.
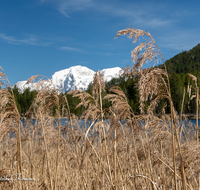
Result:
x=180 y=40
x=137 y=13
x=69 y=48
x=31 y=40
x=65 y=7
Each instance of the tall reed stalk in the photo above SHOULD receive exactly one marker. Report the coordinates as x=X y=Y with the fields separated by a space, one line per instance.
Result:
x=195 y=95
x=10 y=115
x=148 y=51
x=197 y=113
x=182 y=114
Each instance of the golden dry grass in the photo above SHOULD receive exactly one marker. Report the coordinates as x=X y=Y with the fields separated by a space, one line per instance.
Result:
x=144 y=157
x=111 y=149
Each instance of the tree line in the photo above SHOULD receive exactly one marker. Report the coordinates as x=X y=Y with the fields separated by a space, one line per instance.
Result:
x=177 y=82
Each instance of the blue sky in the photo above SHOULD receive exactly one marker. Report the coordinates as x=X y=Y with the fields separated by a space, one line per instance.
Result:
x=40 y=37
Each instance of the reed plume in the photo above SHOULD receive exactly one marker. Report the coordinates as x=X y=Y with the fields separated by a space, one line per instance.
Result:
x=96 y=113
x=46 y=101
x=92 y=103
x=119 y=103
x=146 y=52
x=196 y=95
x=9 y=115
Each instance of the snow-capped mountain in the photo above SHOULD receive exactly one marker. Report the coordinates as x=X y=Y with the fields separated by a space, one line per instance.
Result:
x=73 y=78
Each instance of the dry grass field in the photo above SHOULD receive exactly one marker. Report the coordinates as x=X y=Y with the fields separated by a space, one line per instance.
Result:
x=112 y=149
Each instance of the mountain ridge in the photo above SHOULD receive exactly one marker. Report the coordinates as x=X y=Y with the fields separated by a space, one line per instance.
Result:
x=73 y=78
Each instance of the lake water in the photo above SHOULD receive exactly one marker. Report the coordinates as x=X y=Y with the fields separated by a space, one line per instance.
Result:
x=81 y=123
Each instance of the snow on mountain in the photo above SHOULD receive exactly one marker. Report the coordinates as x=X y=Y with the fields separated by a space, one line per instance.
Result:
x=111 y=73
x=76 y=77
x=22 y=86
x=73 y=78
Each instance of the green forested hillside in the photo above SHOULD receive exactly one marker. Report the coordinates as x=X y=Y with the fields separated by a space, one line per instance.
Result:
x=178 y=68
x=185 y=62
